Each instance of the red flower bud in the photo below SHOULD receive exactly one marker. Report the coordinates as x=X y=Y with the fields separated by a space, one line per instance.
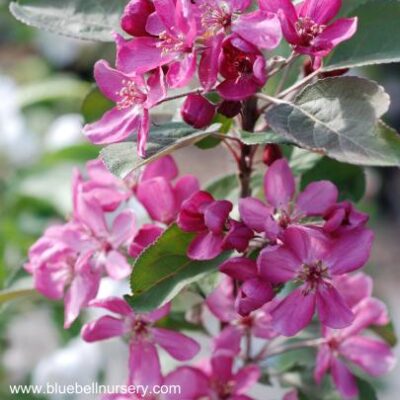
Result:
x=272 y=152
x=197 y=111
x=135 y=16
x=230 y=108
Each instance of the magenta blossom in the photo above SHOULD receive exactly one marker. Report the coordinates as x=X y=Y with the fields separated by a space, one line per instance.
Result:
x=308 y=27
x=221 y=303
x=311 y=258
x=281 y=210
x=143 y=336
x=159 y=195
x=133 y=96
x=197 y=111
x=242 y=66
x=373 y=356
x=145 y=237
x=214 y=380
x=216 y=232
x=169 y=37
x=254 y=291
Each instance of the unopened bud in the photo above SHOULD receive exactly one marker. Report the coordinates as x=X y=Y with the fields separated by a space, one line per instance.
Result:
x=197 y=111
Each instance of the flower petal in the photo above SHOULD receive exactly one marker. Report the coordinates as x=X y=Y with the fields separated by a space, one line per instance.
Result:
x=117 y=266
x=179 y=346
x=163 y=167
x=216 y=214
x=294 y=312
x=221 y=301
x=254 y=213
x=208 y=67
x=341 y=30
x=322 y=363
x=109 y=80
x=103 y=328
x=320 y=11
x=316 y=198
x=229 y=340
x=123 y=228
x=205 y=246
x=240 y=268
x=185 y=187
x=245 y=378
x=343 y=379
x=113 y=304
x=180 y=73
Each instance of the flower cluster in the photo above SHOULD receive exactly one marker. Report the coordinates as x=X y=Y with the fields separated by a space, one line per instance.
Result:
x=103 y=233
x=223 y=41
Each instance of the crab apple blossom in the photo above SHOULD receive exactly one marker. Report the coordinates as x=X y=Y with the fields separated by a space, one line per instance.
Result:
x=312 y=259
x=308 y=27
x=215 y=379
x=159 y=194
x=133 y=95
x=283 y=208
x=197 y=111
x=215 y=230
x=349 y=346
x=142 y=334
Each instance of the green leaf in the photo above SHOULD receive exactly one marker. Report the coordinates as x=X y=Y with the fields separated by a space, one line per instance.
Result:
x=374 y=41
x=122 y=158
x=177 y=322
x=223 y=187
x=301 y=160
x=365 y=390
x=339 y=117
x=163 y=270
x=95 y=105
x=211 y=142
x=251 y=138
x=349 y=179
x=77 y=153
x=386 y=332
x=81 y=19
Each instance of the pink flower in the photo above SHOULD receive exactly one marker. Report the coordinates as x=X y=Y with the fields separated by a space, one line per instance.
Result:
x=170 y=33
x=142 y=334
x=145 y=237
x=221 y=303
x=343 y=217
x=311 y=258
x=108 y=190
x=159 y=195
x=217 y=380
x=135 y=17
x=307 y=28
x=372 y=355
x=133 y=96
x=197 y=111
x=281 y=210
x=292 y=395
x=216 y=232
x=242 y=66
x=254 y=291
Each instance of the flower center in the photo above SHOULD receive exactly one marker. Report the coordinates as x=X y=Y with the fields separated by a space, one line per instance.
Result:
x=171 y=44
x=313 y=275
x=130 y=95
x=223 y=389
x=308 y=30
x=215 y=17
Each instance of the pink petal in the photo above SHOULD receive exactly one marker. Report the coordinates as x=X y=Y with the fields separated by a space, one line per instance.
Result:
x=279 y=184
x=343 y=379
x=157 y=88
x=238 y=237
x=375 y=357
x=159 y=313
x=259 y=28
x=341 y=30
x=254 y=213
x=246 y=378
x=316 y=198
x=216 y=214
x=115 y=126
x=134 y=18
x=185 y=187
x=229 y=340
x=320 y=11
x=253 y=294
x=332 y=309
x=294 y=312
x=144 y=364
x=198 y=387
x=240 y=268
x=275 y=5
x=322 y=363
x=157 y=196
x=222 y=364
x=52 y=278
x=237 y=89
x=163 y=167
x=350 y=251
x=123 y=228
x=109 y=80
x=143 y=133
x=117 y=266
x=113 y=304
x=180 y=73
x=205 y=246
x=179 y=346
x=103 y=328
x=263 y=323
x=208 y=67
x=278 y=264
x=154 y=25
x=221 y=301
x=146 y=236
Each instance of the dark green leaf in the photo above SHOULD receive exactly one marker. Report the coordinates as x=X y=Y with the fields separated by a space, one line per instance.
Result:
x=301 y=160
x=386 y=332
x=177 y=322
x=365 y=390
x=349 y=179
x=163 y=270
x=339 y=117
x=374 y=41
x=82 y=19
x=122 y=158
x=95 y=105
